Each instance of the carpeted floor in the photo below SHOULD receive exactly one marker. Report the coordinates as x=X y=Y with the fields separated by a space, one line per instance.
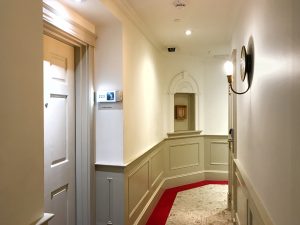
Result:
x=204 y=205
x=162 y=211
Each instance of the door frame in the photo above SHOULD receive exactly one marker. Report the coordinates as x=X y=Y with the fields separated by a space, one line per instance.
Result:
x=84 y=110
x=232 y=140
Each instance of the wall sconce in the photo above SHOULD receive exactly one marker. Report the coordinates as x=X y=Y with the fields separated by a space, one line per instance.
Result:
x=246 y=67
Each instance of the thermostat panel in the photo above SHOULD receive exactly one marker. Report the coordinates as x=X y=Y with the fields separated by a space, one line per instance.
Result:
x=108 y=96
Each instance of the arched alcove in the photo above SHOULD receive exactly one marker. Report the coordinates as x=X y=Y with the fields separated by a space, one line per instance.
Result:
x=183 y=85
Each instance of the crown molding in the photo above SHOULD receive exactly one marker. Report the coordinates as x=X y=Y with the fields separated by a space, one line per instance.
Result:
x=67 y=24
x=125 y=7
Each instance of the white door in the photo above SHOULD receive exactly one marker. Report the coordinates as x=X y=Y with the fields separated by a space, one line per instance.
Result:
x=59 y=131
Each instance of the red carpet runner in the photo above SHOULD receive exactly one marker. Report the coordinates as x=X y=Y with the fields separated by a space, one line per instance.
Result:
x=161 y=212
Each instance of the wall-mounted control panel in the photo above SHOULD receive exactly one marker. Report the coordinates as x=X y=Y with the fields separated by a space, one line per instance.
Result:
x=109 y=96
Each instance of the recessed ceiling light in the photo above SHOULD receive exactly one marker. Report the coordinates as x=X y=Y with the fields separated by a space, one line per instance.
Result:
x=79 y=0
x=188 y=32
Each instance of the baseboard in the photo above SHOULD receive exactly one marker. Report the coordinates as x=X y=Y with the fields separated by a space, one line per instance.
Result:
x=150 y=205
x=216 y=175
x=193 y=177
x=45 y=219
x=182 y=179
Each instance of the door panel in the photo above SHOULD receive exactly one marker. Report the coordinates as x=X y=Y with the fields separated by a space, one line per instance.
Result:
x=59 y=131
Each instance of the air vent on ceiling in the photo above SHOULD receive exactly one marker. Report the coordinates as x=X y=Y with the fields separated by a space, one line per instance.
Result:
x=179 y=4
x=171 y=49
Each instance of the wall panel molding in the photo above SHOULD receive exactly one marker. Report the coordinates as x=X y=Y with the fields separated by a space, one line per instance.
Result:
x=248 y=208
x=156 y=167
x=138 y=187
x=170 y=163
x=218 y=153
x=184 y=155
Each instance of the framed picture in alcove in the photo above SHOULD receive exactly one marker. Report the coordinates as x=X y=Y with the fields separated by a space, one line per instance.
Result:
x=180 y=112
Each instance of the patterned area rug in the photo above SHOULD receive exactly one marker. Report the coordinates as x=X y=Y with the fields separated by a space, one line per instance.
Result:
x=205 y=205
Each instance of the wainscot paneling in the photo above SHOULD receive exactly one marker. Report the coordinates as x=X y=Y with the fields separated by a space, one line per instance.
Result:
x=247 y=207
x=138 y=187
x=242 y=204
x=216 y=153
x=184 y=155
x=183 y=159
x=174 y=161
x=110 y=195
x=143 y=185
x=157 y=167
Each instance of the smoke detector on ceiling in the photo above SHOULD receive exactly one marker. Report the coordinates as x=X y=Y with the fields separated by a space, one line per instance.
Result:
x=179 y=4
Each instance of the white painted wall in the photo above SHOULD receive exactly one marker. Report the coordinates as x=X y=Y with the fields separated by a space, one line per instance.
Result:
x=213 y=89
x=127 y=60
x=143 y=114
x=109 y=76
x=21 y=114
x=175 y=64
x=268 y=116
x=134 y=66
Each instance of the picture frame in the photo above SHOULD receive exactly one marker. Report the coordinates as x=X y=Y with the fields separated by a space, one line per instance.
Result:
x=180 y=112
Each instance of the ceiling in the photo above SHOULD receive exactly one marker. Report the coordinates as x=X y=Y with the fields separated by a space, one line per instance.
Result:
x=211 y=22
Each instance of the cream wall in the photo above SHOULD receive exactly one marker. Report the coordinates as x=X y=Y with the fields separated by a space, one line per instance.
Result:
x=215 y=91
x=109 y=76
x=208 y=73
x=268 y=115
x=143 y=114
x=146 y=75
x=294 y=114
x=141 y=125
x=21 y=114
x=175 y=64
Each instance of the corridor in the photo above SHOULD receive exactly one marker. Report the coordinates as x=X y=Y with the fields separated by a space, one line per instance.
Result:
x=153 y=108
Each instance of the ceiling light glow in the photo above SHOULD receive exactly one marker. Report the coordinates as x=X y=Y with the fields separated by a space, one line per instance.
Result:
x=188 y=32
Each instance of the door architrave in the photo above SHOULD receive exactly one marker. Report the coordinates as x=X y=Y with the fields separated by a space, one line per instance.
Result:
x=85 y=172
x=232 y=153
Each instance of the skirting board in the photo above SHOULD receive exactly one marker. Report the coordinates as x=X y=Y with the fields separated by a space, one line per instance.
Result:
x=216 y=175
x=148 y=208
x=45 y=219
x=183 y=179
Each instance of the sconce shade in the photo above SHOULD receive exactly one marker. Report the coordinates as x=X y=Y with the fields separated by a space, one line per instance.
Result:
x=246 y=67
x=228 y=68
